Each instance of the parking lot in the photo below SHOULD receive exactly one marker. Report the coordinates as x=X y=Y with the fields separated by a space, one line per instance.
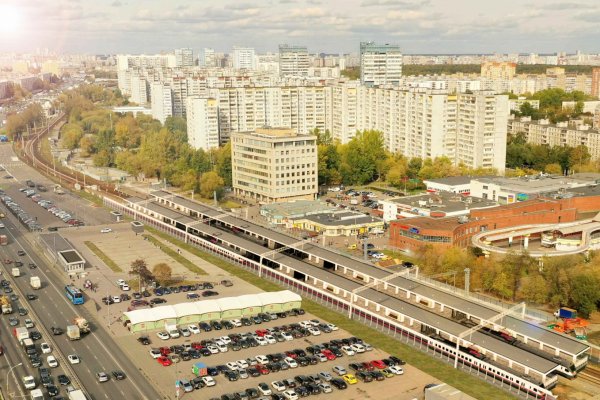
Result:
x=409 y=385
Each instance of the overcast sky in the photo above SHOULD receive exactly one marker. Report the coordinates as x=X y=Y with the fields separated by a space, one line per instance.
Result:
x=427 y=26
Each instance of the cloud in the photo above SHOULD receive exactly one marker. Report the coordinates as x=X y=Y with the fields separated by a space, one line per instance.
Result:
x=395 y=3
x=561 y=6
x=593 y=16
x=116 y=3
x=310 y=12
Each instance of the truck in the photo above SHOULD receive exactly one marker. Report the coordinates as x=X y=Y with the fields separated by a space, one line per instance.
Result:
x=35 y=282
x=29 y=347
x=3 y=240
x=21 y=333
x=16 y=272
x=565 y=312
x=82 y=324
x=73 y=332
x=77 y=395
x=37 y=394
x=6 y=306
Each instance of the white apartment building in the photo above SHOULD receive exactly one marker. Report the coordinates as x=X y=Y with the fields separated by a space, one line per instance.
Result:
x=202 y=123
x=162 y=104
x=380 y=64
x=560 y=134
x=184 y=57
x=126 y=61
x=273 y=165
x=139 y=90
x=293 y=60
x=345 y=108
x=207 y=58
x=244 y=58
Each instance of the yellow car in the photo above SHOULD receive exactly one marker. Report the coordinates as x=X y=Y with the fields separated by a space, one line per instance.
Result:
x=350 y=379
x=352 y=247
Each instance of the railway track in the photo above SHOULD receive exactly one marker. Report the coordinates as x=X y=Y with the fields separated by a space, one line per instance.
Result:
x=590 y=374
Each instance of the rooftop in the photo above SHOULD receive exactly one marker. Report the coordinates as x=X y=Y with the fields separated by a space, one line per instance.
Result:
x=347 y=218
x=445 y=202
x=295 y=209
x=71 y=256
x=541 y=183
x=451 y=180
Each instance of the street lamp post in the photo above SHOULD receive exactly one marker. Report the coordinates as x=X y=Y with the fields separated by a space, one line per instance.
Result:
x=8 y=373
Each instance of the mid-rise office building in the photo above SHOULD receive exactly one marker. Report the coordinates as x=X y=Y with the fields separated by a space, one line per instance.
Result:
x=202 y=123
x=244 y=58
x=380 y=64
x=184 y=57
x=293 y=60
x=272 y=165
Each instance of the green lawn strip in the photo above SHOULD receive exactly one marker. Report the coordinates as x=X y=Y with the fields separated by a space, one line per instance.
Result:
x=100 y=254
x=439 y=370
x=176 y=256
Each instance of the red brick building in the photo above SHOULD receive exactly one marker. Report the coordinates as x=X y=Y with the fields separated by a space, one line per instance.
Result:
x=413 y=233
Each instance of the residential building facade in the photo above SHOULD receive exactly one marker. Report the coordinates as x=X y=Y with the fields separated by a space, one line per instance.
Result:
x=202 y=123
x=244 y=58
x=162 y=104
x=184 y=57
x=293 y=60
x=380 y=64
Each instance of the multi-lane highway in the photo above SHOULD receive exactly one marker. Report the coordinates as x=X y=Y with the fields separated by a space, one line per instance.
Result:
x=97 y=351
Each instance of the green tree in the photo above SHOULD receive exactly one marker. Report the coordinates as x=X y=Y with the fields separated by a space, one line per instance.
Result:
x=162 y=272
x=361 y=157
x=534 y=289
x=140 y=269
x=211 y=182
x=579 y=156
x=585 y=294
x=553 y=168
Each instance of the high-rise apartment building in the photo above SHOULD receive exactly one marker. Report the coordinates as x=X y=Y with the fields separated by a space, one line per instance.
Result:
x=380 y=64
x=273 y=165
x=162 y=105
x=202 y=122
x=595 y=82
x=139 y=90
x=207 y=58
x=184 y=57
x=126 y=61
x=244 y=58
x=498 y=70
x=293 y=60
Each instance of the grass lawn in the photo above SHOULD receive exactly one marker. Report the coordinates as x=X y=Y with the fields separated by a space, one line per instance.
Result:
x=175 y=256
x=101 y=255
x=440 y=370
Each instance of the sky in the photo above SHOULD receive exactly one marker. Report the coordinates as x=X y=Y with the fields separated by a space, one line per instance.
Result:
x=330 y=26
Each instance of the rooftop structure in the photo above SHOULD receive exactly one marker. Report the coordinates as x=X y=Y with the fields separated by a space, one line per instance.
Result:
x=280 y=213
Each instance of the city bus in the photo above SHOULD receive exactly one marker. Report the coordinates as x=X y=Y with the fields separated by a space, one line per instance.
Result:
x=74 y=294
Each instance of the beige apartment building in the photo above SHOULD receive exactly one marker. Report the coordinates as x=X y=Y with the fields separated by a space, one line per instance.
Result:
x=274 y=165
x=498 y=70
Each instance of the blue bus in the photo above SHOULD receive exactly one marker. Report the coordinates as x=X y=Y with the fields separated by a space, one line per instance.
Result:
x=74 y=294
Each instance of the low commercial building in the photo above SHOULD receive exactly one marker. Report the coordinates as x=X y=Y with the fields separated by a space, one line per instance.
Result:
x=280 y=214
x=62 y=252
x=274 y=165
x=451 y=184
x=340 y=223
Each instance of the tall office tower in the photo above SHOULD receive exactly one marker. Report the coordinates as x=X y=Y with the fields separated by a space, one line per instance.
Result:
x=244 y=58
x=481 y=128
x=207 y=58
x=274 y=165
x=293 y=60
x=184 y=57
x=596 y=82
x=162 y=104
x=202 y=122
x=380 y=64
x=498 y=70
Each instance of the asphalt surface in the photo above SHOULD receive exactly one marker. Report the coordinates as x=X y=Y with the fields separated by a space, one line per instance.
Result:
x=97 y=351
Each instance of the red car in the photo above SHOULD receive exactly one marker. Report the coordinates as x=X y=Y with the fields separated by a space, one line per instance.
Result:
x=378 y=364
x=196 y=345
x=329 y=354
x=262 y=369
x=262 y=332
x=164 y=361
x=291 y=354
x=165 y=351
x=367 y=366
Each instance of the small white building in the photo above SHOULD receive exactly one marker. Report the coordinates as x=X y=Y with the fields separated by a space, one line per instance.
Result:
x=451 y=184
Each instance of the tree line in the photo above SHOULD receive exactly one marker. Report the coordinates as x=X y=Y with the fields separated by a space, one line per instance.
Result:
x=551 y=105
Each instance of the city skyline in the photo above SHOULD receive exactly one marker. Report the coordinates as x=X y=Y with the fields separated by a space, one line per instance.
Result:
x=133 y=26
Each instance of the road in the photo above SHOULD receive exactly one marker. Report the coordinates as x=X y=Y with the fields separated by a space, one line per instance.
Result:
x=98 y=351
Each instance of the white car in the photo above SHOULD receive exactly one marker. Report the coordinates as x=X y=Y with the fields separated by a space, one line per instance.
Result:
x=325 y=387
x=270 y=339
x=125 y=287
x=396 y=370
x=321 y=357
x=73 y=359
x=105 y=230
x=348 y=350
x=358 y=348
x=236 y=322
x=314 y=331
x=232 y=365
x=333 y=327
x=290 y=362
x=264 y=389
x=242 y=364
x=116 y=299
x=120 y=282
x=194 y=329
x=185 y=332
x=222 y=347
x=287 y=336
x=261 y=341
x=306 y=324
x=209 y=381
x=52 y=363
x=367 y=346
x=29 y=323
x=290 y=395
x=1 y=226
x=278 y=385
x=163 y=335
x=155 y=353
x=46 y=348
x=213 y=349
x=224 y=339
x=262 y=359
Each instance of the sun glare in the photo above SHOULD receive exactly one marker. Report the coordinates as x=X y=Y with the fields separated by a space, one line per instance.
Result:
x=10 y=19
